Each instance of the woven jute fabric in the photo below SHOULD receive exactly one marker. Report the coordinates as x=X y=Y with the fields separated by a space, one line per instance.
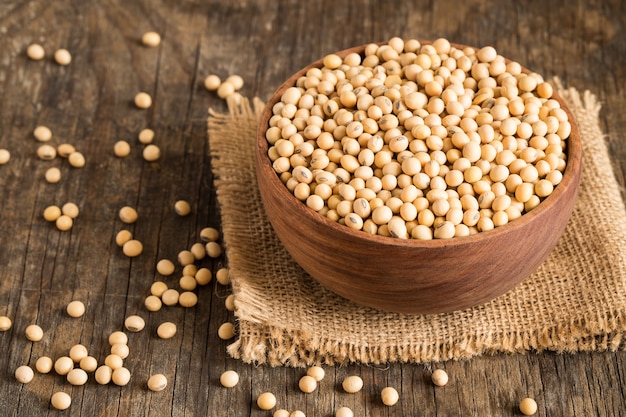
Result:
x=575 y=301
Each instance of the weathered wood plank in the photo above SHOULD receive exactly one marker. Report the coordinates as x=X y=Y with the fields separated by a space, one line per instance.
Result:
x=89 y=104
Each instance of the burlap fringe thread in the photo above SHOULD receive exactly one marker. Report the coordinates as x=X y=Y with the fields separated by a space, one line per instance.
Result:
x=350 y=333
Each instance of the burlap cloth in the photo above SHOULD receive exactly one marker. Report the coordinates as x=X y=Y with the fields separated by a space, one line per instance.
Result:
x=575 y=301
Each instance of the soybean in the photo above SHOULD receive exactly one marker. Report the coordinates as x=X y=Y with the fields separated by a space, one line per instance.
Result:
x=24 y=374
x=528 y=406
x=134 y=323
x=389 y=396
x=44 y=364
x=157 y=382
x=34 y=333
x=61 y=400
x=166 y=330
x=143 y=100
x=5 y=323
x=439 y=377
x=352 y=384
x=266 y=401
x=151 y=39
x=229 y=378
x=5 y=156
x=62 y=56
x=35 y=52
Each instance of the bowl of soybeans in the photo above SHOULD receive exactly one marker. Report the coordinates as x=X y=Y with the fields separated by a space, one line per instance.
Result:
x=418 y=176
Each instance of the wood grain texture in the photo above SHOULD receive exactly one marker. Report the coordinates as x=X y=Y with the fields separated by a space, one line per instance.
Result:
x=89 y=104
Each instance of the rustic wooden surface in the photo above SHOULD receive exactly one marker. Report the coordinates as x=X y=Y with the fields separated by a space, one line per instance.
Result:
x=89 y=104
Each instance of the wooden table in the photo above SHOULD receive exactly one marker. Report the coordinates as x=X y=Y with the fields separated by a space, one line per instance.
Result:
x=89 y=104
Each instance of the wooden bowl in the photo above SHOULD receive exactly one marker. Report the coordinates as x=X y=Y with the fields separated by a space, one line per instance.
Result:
x=409 y=275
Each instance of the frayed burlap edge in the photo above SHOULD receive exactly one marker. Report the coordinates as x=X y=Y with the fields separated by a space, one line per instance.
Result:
x=266 y=340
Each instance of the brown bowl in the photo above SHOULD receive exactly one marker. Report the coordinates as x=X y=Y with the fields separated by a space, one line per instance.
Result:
x=409 y=275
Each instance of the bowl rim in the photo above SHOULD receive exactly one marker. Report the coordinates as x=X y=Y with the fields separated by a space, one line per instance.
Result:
x=571 y=174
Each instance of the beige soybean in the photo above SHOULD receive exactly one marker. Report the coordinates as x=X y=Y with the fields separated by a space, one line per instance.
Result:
x=63 y=365
x=78 y=352
x=203 y=276
x=5 y=323
x=132 y=248
x=76 y=159
x=151 y=39
x=213 y=249
x=146 y=136
x=191 y=269
x=35 y=52
x=266 y=401
x=226 y=331
x=134 y=323
x=229 y=303
x=170 y=297
x=120 y=376
x=44 y=364
x=182 y=208
x=223 y=276
x=61 y=400
x=77 y=376
x=209 y=234
x=34 y=333
x=113 y=361
x=344 y=412
x=64 y=150
x=352 y=384
x=5 y=156
x=64 y=222
x=389 y=396
x=317 y=372
x=165 y=267
x=153 y=303
x=307 y=384
x=103 y=374
x=120 y=349
x=75 y=308
x=212 y=82
x=157 y=382
x=53 y=175
x=528 y=406
x=185 y=257
x=166 y=330
x=229 y=378
x=187 y=299
x=24 y=374
x=143 y=100
x=122 y=237
x=88 y=364
x=42 y=133
x=118 y=337
x=281 y=412
x=151 y=153
x=121 y=149
x=439 y=377
x=70 y=210
x=198 y=250
x=158 y=288
x=128 y=215
x=62 y=56
x=46 y=152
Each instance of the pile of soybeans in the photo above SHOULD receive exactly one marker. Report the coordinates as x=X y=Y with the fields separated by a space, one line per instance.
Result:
x=416 y=140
